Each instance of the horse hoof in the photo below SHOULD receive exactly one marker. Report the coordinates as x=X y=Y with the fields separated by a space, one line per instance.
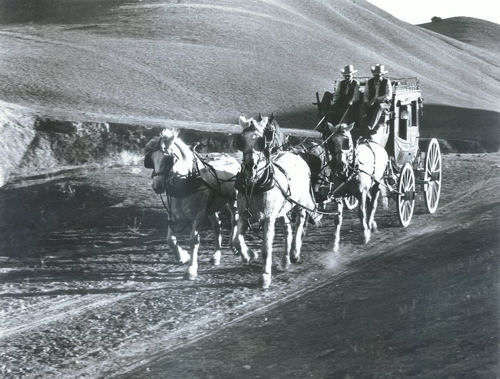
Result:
x=191 y=274
x=266 y=280
x=255 y=255
x=285 y=264
x=295 y=259
x=366 y=238
x=374 y=227
x=336 y=248
x=245 y=258
x=216 y=258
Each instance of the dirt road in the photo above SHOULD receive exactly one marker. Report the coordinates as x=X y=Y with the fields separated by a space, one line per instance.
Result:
x=88 y=288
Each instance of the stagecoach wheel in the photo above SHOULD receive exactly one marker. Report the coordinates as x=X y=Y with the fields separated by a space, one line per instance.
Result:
x=432 y=176
x=406 y=195
x=350 y=202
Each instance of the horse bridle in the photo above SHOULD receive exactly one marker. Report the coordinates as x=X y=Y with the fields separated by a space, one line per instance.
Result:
x=346 y=151
x=167 y=153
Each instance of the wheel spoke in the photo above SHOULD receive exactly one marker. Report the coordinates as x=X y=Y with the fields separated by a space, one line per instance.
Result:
x=409 y=207
x=435 y=192
x=406 y=197
x=432 y=176
x=432 y=197
x=435 y=162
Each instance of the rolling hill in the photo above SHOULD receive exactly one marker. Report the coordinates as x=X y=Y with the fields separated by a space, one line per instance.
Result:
x=470 y=30
x=196 y=63
x=215 y=60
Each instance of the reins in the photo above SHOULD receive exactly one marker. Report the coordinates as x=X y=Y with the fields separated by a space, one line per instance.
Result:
x=355 y=169
x=285 y=192
x=195 y=175
x=218 y=180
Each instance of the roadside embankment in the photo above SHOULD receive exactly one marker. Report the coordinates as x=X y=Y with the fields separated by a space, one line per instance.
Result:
x=32 y=143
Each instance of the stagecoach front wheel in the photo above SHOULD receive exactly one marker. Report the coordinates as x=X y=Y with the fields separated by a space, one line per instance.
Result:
x=406 y=195
x=350 y=202
x=432 y=176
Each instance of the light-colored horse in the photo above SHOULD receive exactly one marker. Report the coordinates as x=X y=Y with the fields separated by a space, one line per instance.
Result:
x=356 y=172
x=194 y=190
x=270 y=186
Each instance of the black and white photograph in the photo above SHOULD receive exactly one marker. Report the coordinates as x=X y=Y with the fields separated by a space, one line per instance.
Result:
x=212 y=189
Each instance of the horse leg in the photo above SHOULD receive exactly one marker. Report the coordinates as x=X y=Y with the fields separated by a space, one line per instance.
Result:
x=375 y=192
x=241 y=245
x=300 y=226
x=337 y=220
x=267 y=251
x=233 y=242
x=214 y=219
x=180 y=254
x=192 y=271
x=287 y=229
x=362 y=216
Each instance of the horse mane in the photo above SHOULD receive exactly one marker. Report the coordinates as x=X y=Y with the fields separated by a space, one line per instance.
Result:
x=279 y=138
x=253 y=125
x=267 y=128
x=185 y=150
x=173 y=138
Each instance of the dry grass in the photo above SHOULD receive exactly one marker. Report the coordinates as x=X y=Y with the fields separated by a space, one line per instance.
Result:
x=470 y=30
x=212 y=61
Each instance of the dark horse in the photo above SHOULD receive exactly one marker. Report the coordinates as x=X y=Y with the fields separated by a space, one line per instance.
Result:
x=357 y=162
x=358 y=114
x=356 y=171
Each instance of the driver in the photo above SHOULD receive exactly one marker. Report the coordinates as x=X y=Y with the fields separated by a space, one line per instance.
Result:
x=346 y=94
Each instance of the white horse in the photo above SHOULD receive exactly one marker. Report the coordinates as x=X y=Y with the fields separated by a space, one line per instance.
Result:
x=194 y=189
x=356 y=172
x=270 y=186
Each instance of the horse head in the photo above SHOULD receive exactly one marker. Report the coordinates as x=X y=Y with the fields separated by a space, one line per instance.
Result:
x=273 y=135
x=256 y=141
x=167 y=155
x=340 y=146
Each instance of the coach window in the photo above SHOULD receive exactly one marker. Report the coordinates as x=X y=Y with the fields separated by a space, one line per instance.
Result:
x=414 y=113
x=403 y=121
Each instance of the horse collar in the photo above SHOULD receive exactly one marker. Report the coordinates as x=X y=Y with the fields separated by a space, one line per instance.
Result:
x=263 y=184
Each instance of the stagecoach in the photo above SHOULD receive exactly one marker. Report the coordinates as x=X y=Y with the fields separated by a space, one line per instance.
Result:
x=414 y=163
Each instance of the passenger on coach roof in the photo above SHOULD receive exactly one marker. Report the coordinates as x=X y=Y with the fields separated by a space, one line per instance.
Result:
x=377 y=96
x=345 y=96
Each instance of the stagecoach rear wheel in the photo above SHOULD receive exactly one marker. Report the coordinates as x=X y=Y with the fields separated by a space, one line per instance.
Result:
x=406 y=195
x=432 y=176
x=350 y=202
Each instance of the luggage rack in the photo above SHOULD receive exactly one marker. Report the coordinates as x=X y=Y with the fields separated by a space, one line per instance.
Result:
x=402 y=85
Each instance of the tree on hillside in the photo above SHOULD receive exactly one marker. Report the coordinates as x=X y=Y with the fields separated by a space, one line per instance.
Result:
x=436 y=19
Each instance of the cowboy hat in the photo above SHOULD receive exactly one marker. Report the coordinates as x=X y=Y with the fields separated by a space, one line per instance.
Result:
x=348 y=69
x=379 y=69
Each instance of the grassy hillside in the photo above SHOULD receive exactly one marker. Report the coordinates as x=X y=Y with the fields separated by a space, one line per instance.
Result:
x=470 y=30
x=214 y=60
